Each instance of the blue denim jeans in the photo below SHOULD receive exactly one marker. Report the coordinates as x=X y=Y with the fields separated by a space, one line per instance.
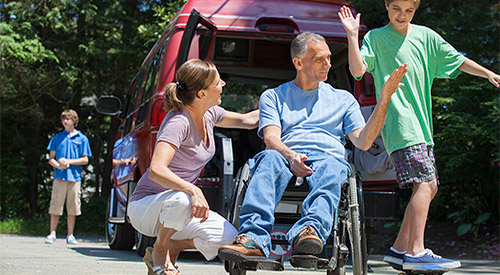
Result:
x=270 y=176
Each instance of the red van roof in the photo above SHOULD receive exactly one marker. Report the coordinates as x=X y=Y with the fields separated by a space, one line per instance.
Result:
x=319 y=16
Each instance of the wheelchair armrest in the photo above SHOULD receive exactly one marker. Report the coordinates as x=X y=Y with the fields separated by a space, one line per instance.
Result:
x=225 y=162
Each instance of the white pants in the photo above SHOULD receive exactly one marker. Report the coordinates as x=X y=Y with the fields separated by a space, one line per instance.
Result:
x=172 y=209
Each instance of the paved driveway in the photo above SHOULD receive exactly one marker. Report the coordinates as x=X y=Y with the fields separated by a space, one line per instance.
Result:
x=30 y=255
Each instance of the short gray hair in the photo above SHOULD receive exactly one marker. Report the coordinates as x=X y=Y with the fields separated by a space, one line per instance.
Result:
x=301 y=42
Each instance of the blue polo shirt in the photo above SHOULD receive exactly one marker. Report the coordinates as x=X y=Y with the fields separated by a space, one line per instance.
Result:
x=69 y=147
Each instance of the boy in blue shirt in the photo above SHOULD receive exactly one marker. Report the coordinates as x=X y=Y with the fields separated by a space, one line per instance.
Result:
x=69 y=150
x=407 y=132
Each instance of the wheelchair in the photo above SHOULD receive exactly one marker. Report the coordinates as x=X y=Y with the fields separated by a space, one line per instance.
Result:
x=347 y=235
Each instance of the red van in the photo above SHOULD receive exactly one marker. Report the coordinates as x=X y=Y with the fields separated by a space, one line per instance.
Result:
x=249 y=41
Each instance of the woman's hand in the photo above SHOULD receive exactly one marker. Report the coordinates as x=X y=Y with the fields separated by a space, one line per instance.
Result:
x=199 y=205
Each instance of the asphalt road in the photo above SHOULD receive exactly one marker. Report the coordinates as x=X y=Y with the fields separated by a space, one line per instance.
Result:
x=30 y=255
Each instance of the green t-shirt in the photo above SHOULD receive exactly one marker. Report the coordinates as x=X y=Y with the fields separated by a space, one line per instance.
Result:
x=429 y=56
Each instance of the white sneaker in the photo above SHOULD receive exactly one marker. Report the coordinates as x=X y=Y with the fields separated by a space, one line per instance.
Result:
x=71 y=240
x=50 y=239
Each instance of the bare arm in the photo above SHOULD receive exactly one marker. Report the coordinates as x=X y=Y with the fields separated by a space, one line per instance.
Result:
x=79 y=161
x=363 y=138
x=65 y=163
x=351 y=25
x=272 y=139
x=249 y=120
x=160 y=173
x=52 y=160
x=471 y=67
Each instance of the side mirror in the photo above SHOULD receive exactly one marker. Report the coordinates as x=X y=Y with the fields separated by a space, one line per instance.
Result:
x=108 y=105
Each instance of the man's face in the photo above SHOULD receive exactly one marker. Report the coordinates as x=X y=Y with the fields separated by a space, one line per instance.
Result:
x=316 y=62
x=400 y=14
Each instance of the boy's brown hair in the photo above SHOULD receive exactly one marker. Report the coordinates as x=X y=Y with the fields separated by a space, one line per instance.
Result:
x=415 y=2
x=69 y=113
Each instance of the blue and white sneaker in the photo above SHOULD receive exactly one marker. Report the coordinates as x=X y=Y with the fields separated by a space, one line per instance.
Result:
x=428 y=260
x=394 y=259
x=50 y=239
x=71 y=240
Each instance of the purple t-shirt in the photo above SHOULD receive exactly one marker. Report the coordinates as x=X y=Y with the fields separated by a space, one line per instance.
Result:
x=192 y=153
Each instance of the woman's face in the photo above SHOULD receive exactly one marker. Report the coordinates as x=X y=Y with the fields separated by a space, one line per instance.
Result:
x=214 y=91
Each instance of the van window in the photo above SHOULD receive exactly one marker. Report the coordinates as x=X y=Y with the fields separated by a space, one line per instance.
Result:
x=149 y=87
x=241 y=97
x=133 y=100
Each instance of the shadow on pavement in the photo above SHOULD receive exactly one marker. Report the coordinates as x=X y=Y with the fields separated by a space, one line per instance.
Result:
x=106 y=253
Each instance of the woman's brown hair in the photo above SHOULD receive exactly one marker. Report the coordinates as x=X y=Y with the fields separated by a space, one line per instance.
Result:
x=191 y=77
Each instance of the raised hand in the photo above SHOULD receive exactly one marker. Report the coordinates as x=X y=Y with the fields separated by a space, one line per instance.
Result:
x=494 y=79
x=351 y=24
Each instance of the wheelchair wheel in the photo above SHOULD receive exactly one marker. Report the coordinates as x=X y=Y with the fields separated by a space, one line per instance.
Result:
x=364 y=237
x=337 y=271
x=239 y=191
x=232 y=268
x=233 y=216
x=356 y=229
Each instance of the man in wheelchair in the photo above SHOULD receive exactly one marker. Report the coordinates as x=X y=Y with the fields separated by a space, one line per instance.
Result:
x=303 y=124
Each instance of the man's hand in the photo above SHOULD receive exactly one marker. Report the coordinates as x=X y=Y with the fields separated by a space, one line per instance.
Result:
x=363 y=138
x=351 y=24
x=298 y=167
x=393 y=83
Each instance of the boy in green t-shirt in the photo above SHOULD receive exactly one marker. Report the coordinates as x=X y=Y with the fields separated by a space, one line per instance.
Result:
x=407 y=132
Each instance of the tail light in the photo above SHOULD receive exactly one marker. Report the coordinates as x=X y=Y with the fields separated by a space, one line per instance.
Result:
x=158 y=114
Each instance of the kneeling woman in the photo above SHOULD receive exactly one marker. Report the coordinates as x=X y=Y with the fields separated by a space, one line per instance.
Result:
x=166 y=203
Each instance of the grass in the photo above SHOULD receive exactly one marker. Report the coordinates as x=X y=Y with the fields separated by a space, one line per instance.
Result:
x=31 y=227
x=90 y=223
x=40 y=227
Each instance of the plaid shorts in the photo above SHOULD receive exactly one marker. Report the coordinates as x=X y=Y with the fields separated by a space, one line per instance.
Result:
x=414 y=164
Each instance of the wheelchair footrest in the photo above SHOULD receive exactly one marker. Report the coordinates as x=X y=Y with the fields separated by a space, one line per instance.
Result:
x=264 y=264
x=309 y=261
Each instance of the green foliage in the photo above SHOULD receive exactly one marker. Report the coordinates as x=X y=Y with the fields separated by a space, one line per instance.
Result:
x=35 y=226
x=59 y=54
x=90 y=223
x=239 y=97
x=393 y=224
x=162 y=14
x=466 y=227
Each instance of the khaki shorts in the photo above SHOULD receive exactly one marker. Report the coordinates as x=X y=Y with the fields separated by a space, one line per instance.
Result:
x=68 y=191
